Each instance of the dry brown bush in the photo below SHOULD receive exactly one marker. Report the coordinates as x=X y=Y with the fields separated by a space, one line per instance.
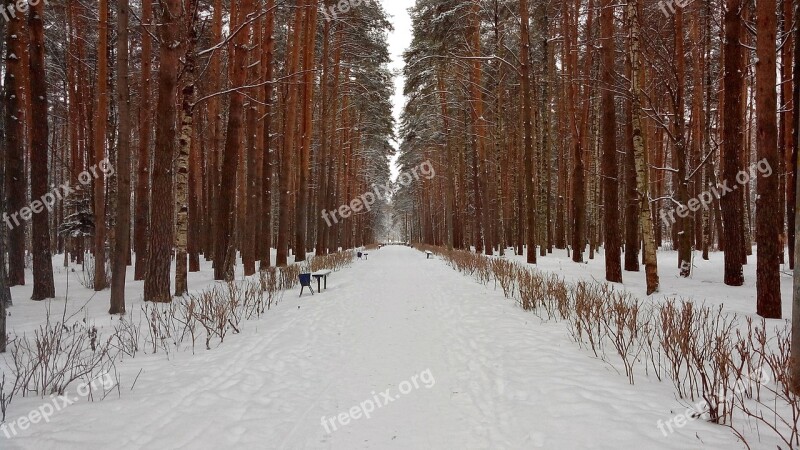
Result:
x=705 y=352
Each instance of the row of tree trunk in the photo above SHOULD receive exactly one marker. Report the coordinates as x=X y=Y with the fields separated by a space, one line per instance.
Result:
x=559 y=133
x=173 y=142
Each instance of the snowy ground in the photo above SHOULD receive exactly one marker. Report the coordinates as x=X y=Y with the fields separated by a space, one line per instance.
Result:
x=705 y=284
x=465 y=367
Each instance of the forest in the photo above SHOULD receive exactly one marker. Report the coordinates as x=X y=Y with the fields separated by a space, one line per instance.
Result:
x=610 y=166
x=226 y=125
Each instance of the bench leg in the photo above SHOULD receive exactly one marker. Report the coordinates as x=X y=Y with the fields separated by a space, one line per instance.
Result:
x=326 y=282
x=318 y=289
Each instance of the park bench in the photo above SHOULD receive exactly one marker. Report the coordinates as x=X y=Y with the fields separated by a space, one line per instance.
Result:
x=305 y=282
x=320 y=275
x=365 y=255
x=428 y=254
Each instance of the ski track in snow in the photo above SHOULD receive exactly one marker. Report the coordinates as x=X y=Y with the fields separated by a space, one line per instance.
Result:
x=503 y=379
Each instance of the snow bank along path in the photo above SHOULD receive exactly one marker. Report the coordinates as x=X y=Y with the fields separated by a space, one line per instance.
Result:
x=475 y=371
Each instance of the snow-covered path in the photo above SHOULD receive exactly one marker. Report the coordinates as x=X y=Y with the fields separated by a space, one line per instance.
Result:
x=477 y=371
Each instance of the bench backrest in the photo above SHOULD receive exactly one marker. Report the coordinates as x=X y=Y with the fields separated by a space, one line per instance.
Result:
x=305 y=279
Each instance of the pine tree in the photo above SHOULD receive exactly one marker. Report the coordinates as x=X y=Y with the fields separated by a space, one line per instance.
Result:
x=15 y=76
x=768 y=204
x=99 y=145
x=160 y=239
x=733 y=137
x=43 y=285
x=609 y=142
x=141 y=222
x=226 y=249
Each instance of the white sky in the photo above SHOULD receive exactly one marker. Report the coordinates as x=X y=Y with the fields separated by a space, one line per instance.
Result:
x=399 y=40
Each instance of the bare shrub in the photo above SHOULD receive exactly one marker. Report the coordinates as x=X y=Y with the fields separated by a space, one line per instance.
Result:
x=702 y=350
x=86 y=277
x=127 y=336
x=57 y=355
x=6 y=397
x=505 y=274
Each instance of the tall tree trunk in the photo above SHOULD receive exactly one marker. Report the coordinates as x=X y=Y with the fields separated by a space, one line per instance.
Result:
x=609 y=141
x=226 y=248
x=255 y=155
x=733 y=129
x=15 y=163
x=141 y=222
x=43 y=286
x=215 y=152
x=289 y=139
x=5 y=291
x=159 y=250
x=301 y=211
x=198 y=218
x=123 y=220
x=451 y=182
x=478 y=124
x=769 y=218
x=184 y=149
x=268 y=57
x=99 y=144
x=327 y=116
x=632 y=205
x=640 y=152
x=544 y=69
x=527 y=122
x=684 y=225
x=578 y=203
x=331 y=240
x=787 y=88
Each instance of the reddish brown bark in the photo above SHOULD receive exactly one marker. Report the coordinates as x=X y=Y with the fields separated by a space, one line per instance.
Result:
x=99 y=147
x=226 y=250
x=15 y=143
x=289 y=139
x=159 y=250
x=268 y=55
x=527 y=125
x=123 y=172
x=769 y=220
x=733 y=137
x=609 y=146
x=43 y=286
x=141 y=221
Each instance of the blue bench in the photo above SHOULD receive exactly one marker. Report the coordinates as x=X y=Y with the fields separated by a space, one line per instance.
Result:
x=305 y=282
